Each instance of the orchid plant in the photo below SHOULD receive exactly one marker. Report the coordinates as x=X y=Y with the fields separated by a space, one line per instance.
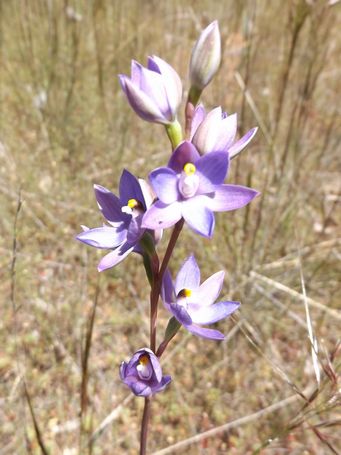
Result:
x=190 y=188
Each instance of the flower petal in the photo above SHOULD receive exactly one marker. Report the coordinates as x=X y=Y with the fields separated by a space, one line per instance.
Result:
x=135 y=73
x=165 y=184
x=188 y=276
x=209 y=290
x=213 y=169
x=203 y=332
x=198 y=117
x=230 y=197
x=227 y=133
x=135 y=231
x=115 y=257
x=242 y=143
x=143 y=105
x=213 y=313
x=155 y=365
x=180 y=313
x=208 y=131
x=110 y=205
x=130 y=189
x=103 y=237
x=184 y=153
x=171 y=81
x=141 y=389
x=198 y=216
x=161 y=216
x=152 y=84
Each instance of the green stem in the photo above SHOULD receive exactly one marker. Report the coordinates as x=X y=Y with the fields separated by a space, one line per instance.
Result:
x=174 y=132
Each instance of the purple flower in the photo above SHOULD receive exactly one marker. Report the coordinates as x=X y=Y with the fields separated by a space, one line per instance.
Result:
x=154 y=92
x=216 y=131
x=191 y=187
x=143 y=374
x=192 y=303
x=124 y=216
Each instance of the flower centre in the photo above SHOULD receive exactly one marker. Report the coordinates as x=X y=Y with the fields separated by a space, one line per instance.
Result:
x=184 y=293
x=189 y=181
x=133 y=207
x=143 y=368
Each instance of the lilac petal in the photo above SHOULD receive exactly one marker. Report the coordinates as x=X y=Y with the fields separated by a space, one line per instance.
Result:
x=188 y=276
x=161 y=216
x=104 y=237
x=242 y=143
x=141 y=389
x=110 y=205
x=135 y=231
x=143 y=105
x=171 y=81
x=198 y=117
x=227 y=133
x=148 y=194
x=114 y=257
x=180 y=313
x=207 y=132
x=135 y=73
x=213 y=169
x=230 y=197
x=213 y=313
x=123 y=369
x=184 y=153
x=164 y=382
x=151 y=83
x=167 y=290
x=130 y=189
x=155 y=364
x=209 y=290
x=203 y=332
x=199 y=217
x=165 y=184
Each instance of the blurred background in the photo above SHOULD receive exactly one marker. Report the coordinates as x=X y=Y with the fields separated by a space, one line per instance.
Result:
x=64 y=328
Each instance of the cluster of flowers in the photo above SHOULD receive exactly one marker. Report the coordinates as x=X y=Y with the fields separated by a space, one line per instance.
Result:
x=189 y=189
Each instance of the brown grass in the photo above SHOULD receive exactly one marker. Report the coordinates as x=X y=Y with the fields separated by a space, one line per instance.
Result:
x=64 y=125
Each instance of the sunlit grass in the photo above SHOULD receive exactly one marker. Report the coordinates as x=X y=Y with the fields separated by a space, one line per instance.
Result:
x=64 y=125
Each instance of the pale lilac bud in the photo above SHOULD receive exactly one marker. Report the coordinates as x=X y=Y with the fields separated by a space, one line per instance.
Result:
x=206 y=56
x=153 y=92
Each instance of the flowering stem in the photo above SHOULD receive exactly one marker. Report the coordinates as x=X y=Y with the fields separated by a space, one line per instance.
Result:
x=156 y=288
x=174 y=132
x=144 y=426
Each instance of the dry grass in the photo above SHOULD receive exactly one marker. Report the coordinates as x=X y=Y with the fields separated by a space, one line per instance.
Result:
x=65 y=125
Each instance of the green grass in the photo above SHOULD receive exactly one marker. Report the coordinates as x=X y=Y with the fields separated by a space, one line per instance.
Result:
x=284 y=54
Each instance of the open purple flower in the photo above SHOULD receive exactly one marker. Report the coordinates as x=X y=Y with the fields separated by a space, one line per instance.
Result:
x=192 y=303
x=154 y=92
x=191 y=187
x=124 y=216
x=216 y=131
x=143 y=374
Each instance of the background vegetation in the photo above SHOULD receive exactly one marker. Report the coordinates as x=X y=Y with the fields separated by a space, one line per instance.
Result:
x=64 y=125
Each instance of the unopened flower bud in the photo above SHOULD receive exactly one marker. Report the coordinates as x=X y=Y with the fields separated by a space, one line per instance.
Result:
x=205 y=59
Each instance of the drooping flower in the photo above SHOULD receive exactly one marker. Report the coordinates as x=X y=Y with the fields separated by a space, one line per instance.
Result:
x=124 y=217
x=154 y=92
x=206 y=56
x=216 y=131
x=192 y=303
x=191 y=187
x=143 y=374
